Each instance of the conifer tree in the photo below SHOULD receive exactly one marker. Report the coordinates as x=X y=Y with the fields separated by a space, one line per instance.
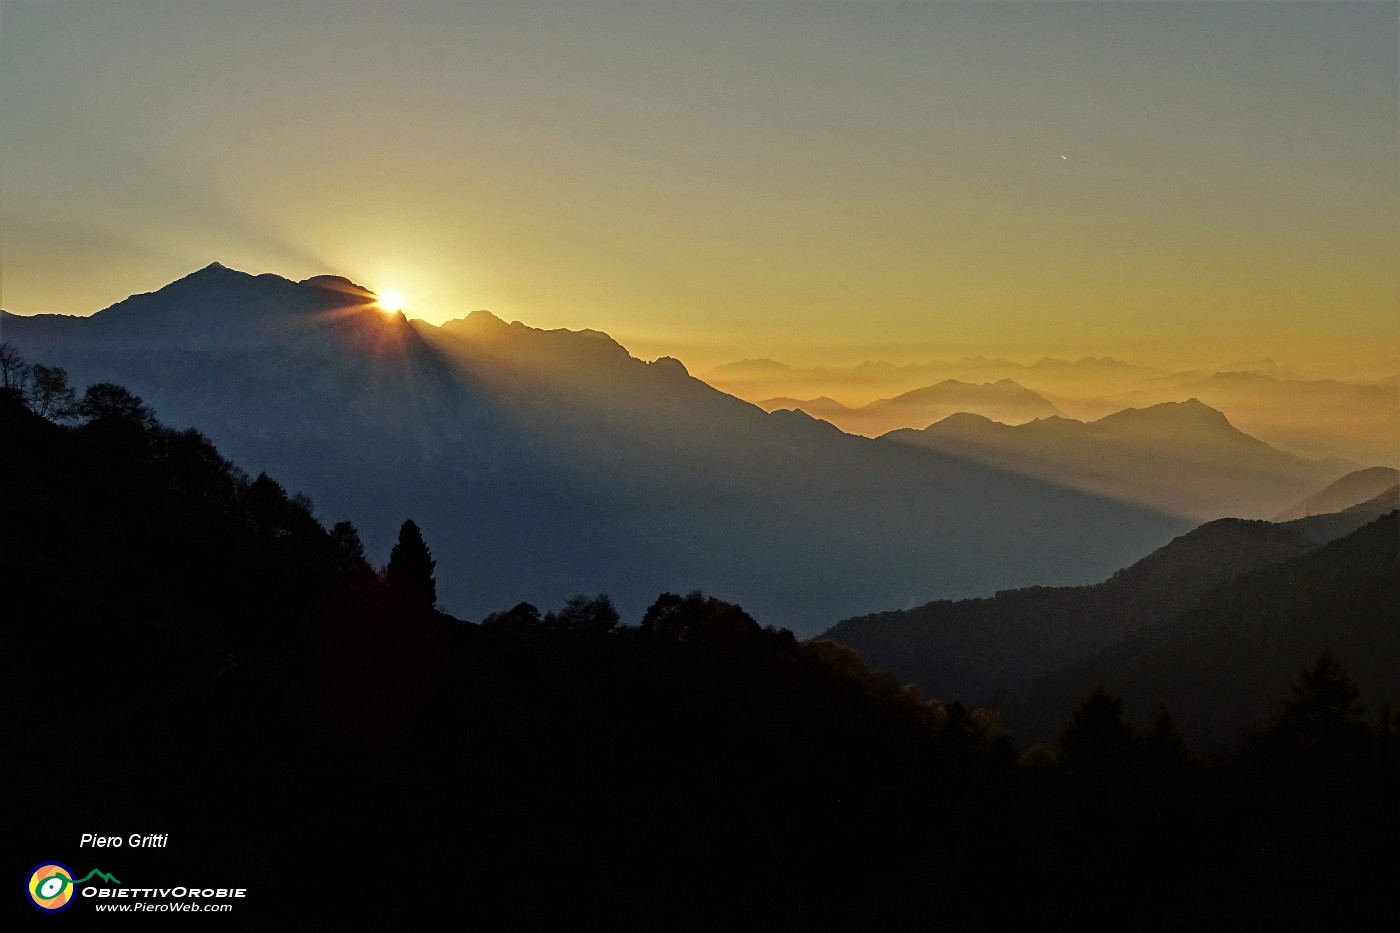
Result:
x=410 y=570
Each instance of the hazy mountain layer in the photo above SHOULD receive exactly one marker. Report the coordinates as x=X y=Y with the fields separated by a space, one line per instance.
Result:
x=1185 y=458
x=859 y=385
x=1356 y=416
x=991 y=650
x=1003 y=401
x=1354 y=488
x=1312 y=417
x=540 y=464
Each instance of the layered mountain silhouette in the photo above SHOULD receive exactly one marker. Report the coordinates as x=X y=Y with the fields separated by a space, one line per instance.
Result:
x=992 y=650
x=1182 y=457
x=544 y=463
x=1352 y=489
x=759 y=379
x=1005 y=401
x=1313 y=417
x=1214 y=664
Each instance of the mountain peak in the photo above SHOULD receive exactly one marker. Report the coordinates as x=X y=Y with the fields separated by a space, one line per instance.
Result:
x=1192 y=409
x=671 y=365
x=217 y=300
x=963 y=421
x=1192 y=418
x=337 y=283
x=210 y=272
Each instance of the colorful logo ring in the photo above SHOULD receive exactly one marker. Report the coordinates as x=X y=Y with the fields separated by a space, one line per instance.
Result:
x=50 y=887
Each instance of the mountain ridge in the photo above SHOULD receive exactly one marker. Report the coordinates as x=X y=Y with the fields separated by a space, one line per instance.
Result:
x=1184 y=457
x=1004 y=400
x=991 y=650
x=539 y=463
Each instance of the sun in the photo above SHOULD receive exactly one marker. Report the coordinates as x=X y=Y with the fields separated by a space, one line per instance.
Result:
x=390 y=301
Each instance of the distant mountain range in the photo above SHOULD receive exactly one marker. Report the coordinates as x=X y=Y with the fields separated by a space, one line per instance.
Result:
x=1310 y=417
x=1181 y=457
x=1358 y=420
x=998 y=650
x=1004 y=400
x=542 y=463
x=1320 y=416
x=764 y=378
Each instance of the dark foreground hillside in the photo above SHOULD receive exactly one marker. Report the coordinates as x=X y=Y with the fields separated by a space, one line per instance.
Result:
x=187 y=651
x=994 y=650
x=1214 y=663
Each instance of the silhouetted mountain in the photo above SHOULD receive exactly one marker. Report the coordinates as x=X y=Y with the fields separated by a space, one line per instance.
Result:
x=1004 y=401
x=1352 y=489
x=991 y=650
x=1214 y=664
x=546 y=462
x=827 y=409
x=1181 y=457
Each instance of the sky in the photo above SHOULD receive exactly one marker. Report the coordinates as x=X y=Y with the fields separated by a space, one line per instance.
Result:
x=1173 y=183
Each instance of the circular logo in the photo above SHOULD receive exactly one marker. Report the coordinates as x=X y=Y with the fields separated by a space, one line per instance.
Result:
x=50 y=887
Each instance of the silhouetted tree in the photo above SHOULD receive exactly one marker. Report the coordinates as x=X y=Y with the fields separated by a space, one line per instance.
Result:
x=268 y=507
x=109 y=401
x=349 y=550
x=120 y=422
x=192 y=465
x=588 y=615
x=1323 y=708
x=410 y=569
x=15 y=373
x=523 y=616
x=1098 y=743
x=696 y=617
x=50 y=395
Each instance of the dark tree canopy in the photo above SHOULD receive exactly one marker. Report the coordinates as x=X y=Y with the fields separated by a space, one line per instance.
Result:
x=50 y=395
x=587 y=615
x=109 y=401
x=1324 y=709
x=15 y=373
x=268 y=507
x=1098 y=742
x=410 y=570
x=349 y=550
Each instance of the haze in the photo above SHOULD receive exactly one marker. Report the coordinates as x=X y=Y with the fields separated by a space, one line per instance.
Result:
x=1175 y=184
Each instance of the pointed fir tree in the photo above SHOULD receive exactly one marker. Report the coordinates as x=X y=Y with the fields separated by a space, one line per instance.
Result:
x=349 y=551
x=410 y=570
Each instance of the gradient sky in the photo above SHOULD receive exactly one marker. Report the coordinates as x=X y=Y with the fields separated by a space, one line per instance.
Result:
x=1177 y=184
